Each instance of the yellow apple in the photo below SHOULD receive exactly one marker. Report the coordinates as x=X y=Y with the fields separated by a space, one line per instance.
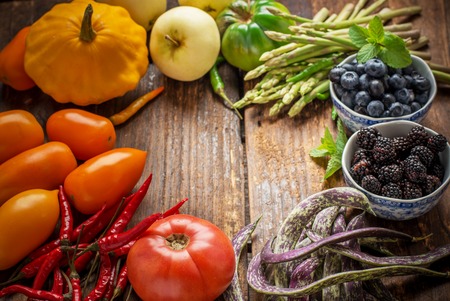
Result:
x=212 y=7
x=143 y=12
x=184 y=43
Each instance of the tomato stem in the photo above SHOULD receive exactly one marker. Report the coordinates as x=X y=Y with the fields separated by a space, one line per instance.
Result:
x=177 y=241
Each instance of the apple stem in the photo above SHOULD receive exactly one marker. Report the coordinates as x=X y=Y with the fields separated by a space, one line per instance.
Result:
x=169 y=38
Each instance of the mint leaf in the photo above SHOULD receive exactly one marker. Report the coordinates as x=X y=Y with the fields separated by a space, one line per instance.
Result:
x=332 y=149
x=373 y=41
x=326 y=148
x=395 y=53
x=376 y=30
x=367 y=52
x=334 y=164
x=358 y=35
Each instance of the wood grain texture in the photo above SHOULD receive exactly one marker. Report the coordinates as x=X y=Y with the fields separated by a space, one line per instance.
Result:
x=235 y=171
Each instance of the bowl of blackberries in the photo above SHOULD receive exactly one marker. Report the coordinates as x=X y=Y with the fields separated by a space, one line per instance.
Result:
x=402 y=167
x=368 y=93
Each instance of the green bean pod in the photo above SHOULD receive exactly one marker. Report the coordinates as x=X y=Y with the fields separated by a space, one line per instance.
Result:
x=257 y=280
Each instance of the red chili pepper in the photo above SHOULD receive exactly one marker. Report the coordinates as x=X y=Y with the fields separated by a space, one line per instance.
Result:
x=87 y=225
x=123 y=250
x=76 y=286
x=175 y=209
x=103 y=279
x=107 y=296
x=127 y=213
x=27 y=271
x=30 y=293
x=66 y=228
x=122 y=281
x=45 y=249
x=111 y=242
x=58 y=281
x=51 y=261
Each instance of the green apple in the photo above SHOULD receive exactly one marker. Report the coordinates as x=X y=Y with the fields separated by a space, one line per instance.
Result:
x=184 y=43
x=212 y=7
x=143 y=12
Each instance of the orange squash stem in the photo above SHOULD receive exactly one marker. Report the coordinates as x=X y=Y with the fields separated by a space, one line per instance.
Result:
x=135 y=106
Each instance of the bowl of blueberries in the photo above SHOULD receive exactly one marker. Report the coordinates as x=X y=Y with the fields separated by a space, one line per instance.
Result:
x=365 y=94
x=401 y=166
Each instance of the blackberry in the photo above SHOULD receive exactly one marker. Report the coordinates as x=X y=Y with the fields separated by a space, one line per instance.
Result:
x=418 y=136
x=437 y=143
x=371 y=183
x=366 y=137
x=361 y=154
x=390 y=173
x=411 y=190
x=437 y=169
x=431 y=184
x=414 y=170
x=424 y=153
x=360 y=169
x=391 y=190
x=383 y=150
x=401 y=144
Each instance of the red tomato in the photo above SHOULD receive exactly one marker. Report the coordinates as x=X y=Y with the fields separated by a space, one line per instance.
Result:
x=105 y=178
x=87 y=134
x=181 y=258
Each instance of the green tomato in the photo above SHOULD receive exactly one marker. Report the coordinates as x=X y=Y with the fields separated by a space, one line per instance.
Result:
x=242 y=27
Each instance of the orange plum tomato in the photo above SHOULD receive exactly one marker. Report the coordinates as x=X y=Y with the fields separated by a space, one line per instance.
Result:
x=19 y=131
x=27 y=220
x=181 y=258
x=87 y=134
x=44 y=166
x=105 y=178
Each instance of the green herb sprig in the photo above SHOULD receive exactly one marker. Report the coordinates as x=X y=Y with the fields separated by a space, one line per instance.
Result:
x=331 y=149
x=374 y=41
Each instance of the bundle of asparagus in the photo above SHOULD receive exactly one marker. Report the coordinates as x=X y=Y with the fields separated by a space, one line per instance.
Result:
x=297 y=73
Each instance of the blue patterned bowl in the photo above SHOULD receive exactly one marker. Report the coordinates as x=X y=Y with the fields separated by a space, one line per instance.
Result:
x=354 y=121
x=390 y=208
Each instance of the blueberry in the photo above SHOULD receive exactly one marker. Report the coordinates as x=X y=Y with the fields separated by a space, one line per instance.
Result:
x=409 y=81
x=364 y=81
x=376 y=88
x=375 y=108
x=360 y=110
x=408 y=70
x=415 y=106
x=422 y=97
x=397 y=82
x=362 y=98
x=396 y=109
x=402 y=95
x=375 y=68
x=421 y=83
x=349 y=66
x=407 y=109
x=349 y=80
x=388 y=99
x=335 y=74
x=360 y=68
x=348 y=98
x=338 y=90
x=392 y=71
x=386 y=113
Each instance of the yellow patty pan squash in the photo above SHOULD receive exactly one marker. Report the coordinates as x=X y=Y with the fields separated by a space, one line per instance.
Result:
x=86 y=52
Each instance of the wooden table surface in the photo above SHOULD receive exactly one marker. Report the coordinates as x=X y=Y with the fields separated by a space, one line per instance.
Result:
x=233 y=170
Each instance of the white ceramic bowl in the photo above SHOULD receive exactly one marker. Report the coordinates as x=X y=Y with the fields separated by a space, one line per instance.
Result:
x=354 y=121
x=391 y=208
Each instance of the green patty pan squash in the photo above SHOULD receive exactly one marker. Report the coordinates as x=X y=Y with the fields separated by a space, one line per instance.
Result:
x=86 y=52
x=242 y=25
